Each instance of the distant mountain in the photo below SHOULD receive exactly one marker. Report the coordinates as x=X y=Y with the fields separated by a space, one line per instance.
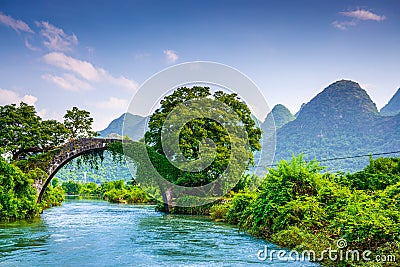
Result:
x=134 y=126
x=341 y=121
x=281 y=115
x=298 y=112
x=393 y=107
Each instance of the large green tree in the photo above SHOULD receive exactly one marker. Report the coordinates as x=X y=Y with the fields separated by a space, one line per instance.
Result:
x=196 y=130
x=79 y=123
x=23 y=132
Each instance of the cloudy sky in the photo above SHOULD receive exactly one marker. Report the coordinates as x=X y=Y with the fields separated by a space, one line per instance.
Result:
x=95 y=54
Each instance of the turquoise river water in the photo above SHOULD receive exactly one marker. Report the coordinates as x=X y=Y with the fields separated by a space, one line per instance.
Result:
x=97 y=233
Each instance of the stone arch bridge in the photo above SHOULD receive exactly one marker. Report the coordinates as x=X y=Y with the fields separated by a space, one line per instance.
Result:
x=69 y=151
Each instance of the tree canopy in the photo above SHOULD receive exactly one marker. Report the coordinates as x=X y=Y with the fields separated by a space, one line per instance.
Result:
x=79 y=123
x=24 y=133
x=198 y=129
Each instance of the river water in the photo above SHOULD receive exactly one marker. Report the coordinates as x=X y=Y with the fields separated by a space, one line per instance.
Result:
x=97 y=233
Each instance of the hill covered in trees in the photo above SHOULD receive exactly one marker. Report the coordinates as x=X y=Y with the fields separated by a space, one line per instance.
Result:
x=393 y=107
x=341 y=121
x=134 y=126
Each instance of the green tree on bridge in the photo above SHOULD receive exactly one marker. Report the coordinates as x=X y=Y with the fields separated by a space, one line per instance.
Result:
x=79 y=123
x=24 y=133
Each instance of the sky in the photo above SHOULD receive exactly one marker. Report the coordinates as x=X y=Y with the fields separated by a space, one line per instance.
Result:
x=96 y=54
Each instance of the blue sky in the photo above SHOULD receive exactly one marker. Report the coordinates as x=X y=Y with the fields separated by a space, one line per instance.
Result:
x=95 y=54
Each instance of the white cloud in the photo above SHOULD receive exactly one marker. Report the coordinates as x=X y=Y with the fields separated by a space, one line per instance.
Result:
x=11 y=97
x=362 y=14
x=68 y=82
x=30 y=46
x=113 y=103
x=343 y=25
x=55 y=38
x=87 y=71
x=357 y=16
x=83 y=68
x=16 y=24
x=171 y=56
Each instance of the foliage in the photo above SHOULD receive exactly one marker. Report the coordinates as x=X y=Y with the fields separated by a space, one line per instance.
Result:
x=53 y=196
x=79 y=123
x=218 y=211
x=193 y=210
x=379 y=174
x=288 y=182
x=247 y=182
x=111 y=169
x=112 y=191
x=17 y=196
x=71 y=188
x=24 y=133
x=236 y=211
x=300 y=208
x=197 y=130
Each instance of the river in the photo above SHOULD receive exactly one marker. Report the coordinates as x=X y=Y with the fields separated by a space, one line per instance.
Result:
x=97 y=233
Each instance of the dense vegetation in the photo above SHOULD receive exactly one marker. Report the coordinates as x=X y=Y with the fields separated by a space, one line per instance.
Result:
x=18 y=197
x=27 y=145
x=341 y=121
x=112 y=191
x=300 y=208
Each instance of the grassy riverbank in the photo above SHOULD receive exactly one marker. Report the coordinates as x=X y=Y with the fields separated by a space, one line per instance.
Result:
x=301 y=208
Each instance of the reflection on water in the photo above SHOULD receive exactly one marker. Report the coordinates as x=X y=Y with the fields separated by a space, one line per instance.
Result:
x=96 y=233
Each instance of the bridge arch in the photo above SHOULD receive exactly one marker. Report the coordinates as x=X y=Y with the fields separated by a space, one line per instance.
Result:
x=68 y=152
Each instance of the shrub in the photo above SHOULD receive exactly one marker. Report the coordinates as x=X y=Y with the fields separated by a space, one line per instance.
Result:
x=17 y=196
x=219 y=211
x=240 y=202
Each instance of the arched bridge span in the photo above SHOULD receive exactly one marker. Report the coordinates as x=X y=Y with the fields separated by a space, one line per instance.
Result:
x=69 y=151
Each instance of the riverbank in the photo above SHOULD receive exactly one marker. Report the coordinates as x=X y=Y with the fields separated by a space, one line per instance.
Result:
x=114 y=192
x=300 y=208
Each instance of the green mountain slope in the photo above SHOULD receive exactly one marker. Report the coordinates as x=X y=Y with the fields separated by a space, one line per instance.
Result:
x=393 y=107
x=341 y=121
x=134 y=126
x=281 y=115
